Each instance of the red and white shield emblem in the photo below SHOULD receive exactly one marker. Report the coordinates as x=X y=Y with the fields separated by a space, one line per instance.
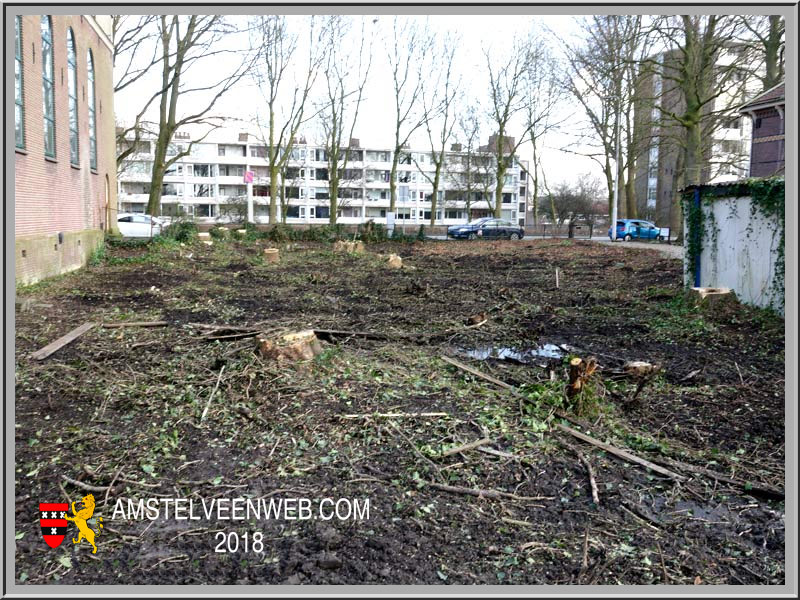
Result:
x=52 y=518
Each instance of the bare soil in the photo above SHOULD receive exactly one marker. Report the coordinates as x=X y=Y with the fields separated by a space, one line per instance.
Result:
x=124 y=406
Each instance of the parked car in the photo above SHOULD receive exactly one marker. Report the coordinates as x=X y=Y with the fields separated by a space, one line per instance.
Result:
x=138 y=225
x=636 y=229
x=486 y=228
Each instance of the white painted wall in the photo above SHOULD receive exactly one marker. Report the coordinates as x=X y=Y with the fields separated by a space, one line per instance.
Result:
x=745 y=252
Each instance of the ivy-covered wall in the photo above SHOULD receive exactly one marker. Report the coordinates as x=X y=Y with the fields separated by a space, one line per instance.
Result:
x=735 y=237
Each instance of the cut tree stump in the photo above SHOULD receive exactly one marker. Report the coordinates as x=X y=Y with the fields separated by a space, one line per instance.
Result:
x=712 y=297
x=638 y=368
x=579 y=372
x=291 y=347
x=394 y=262
x=349 y=247
x=203 y=236
x=272 y=255
x=241 y=231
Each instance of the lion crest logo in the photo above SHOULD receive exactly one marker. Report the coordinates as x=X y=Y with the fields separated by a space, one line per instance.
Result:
x=54 y=518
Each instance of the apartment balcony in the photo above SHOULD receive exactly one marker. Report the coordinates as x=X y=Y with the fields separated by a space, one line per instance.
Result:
x=230 y=179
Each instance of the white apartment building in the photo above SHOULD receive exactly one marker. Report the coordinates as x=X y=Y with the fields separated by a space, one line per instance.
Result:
x=215 y=182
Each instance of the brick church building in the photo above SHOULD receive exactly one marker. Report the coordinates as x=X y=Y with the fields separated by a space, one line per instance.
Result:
x=64 y=141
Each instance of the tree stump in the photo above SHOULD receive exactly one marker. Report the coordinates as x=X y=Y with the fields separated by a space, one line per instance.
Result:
x=291 y=347
x=203 y=236
x=638 y=368
x=272 y=255
x=579 y=372
x=712 y=297
x=349 y=247
x=395 y=262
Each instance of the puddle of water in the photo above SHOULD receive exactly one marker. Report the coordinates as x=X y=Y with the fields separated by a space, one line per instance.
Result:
x=522 y=355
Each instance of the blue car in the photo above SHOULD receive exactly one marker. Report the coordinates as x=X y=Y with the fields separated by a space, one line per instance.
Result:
x=636 y=229
x=487 y=228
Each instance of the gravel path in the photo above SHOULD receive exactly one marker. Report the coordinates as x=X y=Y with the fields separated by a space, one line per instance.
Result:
x=673 y=250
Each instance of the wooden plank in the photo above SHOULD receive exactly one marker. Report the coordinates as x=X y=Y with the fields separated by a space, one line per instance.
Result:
x=62 y=341
x=136 y=324
x=484 y=376
x=621 y=453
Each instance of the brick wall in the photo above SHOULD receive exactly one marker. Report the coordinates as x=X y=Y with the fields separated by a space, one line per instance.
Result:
x=51 y=195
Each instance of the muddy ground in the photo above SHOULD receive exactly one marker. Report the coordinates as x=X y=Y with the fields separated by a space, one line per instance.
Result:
x=123 y=408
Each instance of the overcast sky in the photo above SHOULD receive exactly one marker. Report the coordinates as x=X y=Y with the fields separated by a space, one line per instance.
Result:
x=375 y=122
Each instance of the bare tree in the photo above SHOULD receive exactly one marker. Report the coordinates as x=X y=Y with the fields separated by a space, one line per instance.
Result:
x=187 y=42
x=407 y=51
x=574 y=202
x=277 y=47
x=699 y=90
x=440 y=114
x=346 y=74
x=544 y=95
x=507 y=100
x=135 y=55
x=602 y=76
x=764 y=36
x=463 y=168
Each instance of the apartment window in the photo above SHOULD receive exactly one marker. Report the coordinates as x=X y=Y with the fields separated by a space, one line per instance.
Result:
x=19 y=101
x=201 y=170
x=92 y=115
x=202 y=190
x=732 y=123
x=258 y=151
x=320 y=155
x=293 y=212
x=48 y=88
x=173 y=170
x=139 y=167
x=231 y=171
x=173 y=149
x=204 y=210
x=72 y=92
x=172 y=189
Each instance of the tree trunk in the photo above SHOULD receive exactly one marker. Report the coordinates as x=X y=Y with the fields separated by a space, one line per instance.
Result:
x=435 y=197
x=157 y=178
x=393 y=182
x=772 y=59
x=334 y=200
x=498 y=190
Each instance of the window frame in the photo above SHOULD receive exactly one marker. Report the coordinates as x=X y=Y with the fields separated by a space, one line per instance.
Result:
x=19 y=86
x=48 y=109
x=92 y=110
x=72 y=98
